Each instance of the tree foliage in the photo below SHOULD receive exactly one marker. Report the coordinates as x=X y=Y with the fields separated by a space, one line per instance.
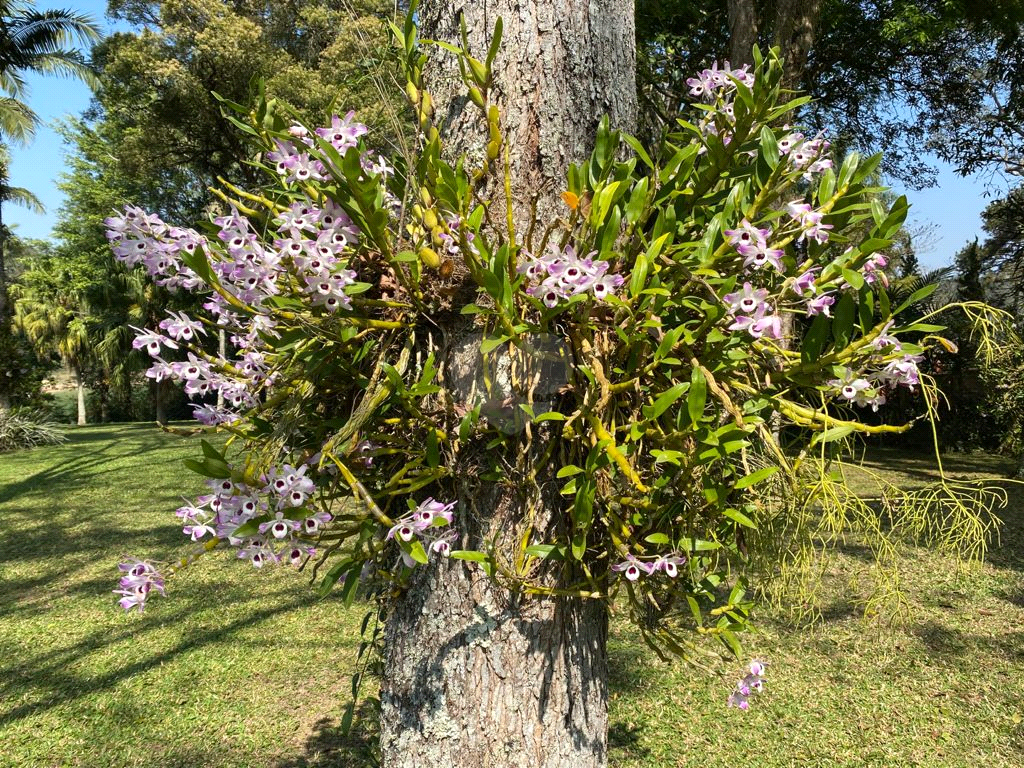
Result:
x=941 y=76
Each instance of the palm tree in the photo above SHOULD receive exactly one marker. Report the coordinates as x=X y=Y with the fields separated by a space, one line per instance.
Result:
x=32 y=41
x=50 y=310
x=37 y=41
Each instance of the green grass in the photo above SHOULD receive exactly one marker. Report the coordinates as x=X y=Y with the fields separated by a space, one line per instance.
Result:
x=239 y=668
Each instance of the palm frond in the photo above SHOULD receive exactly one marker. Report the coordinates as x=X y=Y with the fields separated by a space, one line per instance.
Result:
x=21 y=196
x=17 y=121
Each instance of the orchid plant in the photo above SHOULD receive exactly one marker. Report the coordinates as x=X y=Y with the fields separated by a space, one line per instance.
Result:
x=720 y=301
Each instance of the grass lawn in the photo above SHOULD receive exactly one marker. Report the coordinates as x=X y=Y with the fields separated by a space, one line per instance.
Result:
x=245 y=669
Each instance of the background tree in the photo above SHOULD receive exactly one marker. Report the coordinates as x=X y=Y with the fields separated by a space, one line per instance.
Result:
x=30 y=41
x=50 y=310
x=906 y=76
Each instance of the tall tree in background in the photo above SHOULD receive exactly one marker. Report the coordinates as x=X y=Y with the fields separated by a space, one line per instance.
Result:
x=50 y=309
x=158 y=82
x=41 y=42
x=905 y=75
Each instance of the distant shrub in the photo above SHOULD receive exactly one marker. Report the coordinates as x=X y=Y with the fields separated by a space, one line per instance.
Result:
x=27 y=428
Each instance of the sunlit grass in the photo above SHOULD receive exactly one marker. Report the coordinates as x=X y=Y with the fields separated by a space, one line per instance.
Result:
x=246 y=669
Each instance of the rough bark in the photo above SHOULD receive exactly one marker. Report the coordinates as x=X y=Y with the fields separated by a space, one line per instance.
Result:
x=796 y=22
x=743 y=28
x=561 y=67
x=476 y=676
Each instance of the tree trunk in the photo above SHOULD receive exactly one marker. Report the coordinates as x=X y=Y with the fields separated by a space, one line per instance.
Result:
x=4 y=309
x=476 y=676
x=80 y=385
x=156 y=393
x=796 y=22
x=743 y=29
x=563 y=64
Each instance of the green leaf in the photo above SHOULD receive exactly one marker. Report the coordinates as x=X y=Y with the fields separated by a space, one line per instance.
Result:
x=331 y=577
x=215 y=468
x=769 y=147
x=579 y=545
x=348 y=592
x=695 y=609
x=701 y=545
x=922 y=327
x=637 y=201
x=469 y=554
x=831 y=434
x=665 y=400
x=842 y=325
x=815 y=339
x=568 y=471
x=550 y=416
x=491 y=343
x=657 y=538
x=415 y=550
x=739 y=517
x=492 y=50
x=433 y=453
x=697 y=398
x=250 y=528
x=730 y=639
x=209 y=451
x=919 y=295
x=755 y=477
x=639 y=149
x=546 y=551
x=854 y=278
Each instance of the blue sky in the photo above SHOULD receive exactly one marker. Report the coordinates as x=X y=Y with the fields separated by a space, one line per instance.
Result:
x=952 y=207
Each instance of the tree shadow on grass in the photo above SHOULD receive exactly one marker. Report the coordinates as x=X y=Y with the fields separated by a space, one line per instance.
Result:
x=73 y=464
x=328 y=746
x=53 y=673
x=949 y=643
x=624 y=739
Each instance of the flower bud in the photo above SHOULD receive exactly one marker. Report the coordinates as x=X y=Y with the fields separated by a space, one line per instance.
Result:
x=413 y=93
x=429 y=258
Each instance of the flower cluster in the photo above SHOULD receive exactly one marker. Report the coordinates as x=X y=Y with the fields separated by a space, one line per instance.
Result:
x=633 y=569
x=869 y=390
x=143 y=238
x=809 y=221
x=808 y=154
x=140 y=578
x=712 y=83
x=751 y=312
x=716 y=86
x=752 y=682
x=752 y=244
x=294 y=162
x=280 y=523
x=420 y=525
x=310 y=252
x=564 y=275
